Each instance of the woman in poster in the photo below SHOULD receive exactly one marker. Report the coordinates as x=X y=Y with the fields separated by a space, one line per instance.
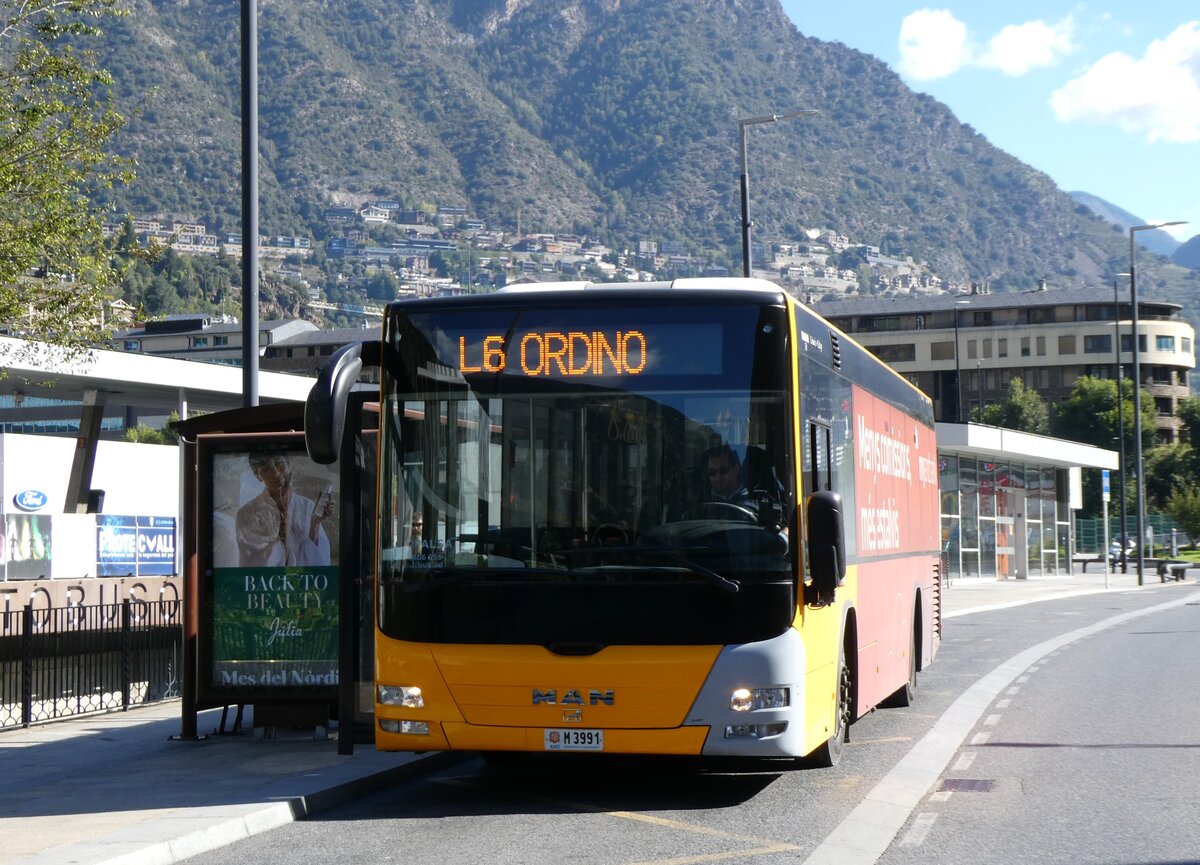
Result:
x=279 y=527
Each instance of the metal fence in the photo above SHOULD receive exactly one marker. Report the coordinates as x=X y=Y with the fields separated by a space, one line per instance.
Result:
x=1089 y=533
x=64 y=661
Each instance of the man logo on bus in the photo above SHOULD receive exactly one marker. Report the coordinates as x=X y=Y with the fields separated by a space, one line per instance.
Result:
x=572 y=697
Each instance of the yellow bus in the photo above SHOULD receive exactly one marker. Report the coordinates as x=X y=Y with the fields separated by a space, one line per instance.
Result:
x=655 y=518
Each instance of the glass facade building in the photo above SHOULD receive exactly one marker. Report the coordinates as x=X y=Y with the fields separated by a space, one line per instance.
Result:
x=1003 y=519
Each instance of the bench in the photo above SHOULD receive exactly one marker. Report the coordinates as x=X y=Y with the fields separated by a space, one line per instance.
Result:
x=1175 y=570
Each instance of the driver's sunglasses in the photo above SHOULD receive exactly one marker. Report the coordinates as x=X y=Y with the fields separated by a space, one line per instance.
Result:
x=722 y=471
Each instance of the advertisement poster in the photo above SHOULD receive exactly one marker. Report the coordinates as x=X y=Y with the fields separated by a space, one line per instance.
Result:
x=134 y=546
x=26 y=546
x=274 y=566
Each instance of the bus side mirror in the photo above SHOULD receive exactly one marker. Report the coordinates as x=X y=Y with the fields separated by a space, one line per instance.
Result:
x=826 y=544
x=325 y=408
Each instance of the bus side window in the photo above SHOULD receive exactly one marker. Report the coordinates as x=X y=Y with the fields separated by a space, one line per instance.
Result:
x=818 y=465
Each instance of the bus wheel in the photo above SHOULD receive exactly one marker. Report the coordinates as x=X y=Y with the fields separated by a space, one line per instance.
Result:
x=906 y=693
x=828 y=755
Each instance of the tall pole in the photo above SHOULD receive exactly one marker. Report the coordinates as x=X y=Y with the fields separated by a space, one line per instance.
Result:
x=745 y=176
x=1139 y=493
x=957 y=374
x=249 y=22
x=1120 y=429
x=979 y=388
x=957 y=366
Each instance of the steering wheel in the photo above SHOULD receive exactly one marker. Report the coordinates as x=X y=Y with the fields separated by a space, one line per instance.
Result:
x=607 y=533
x=721 y=511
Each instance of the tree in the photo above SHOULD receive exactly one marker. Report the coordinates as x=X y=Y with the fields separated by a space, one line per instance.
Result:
x=1090 y=415
x=144 y=434
x=1184 y=508
x=1188 y=412
x=1022 y=409
x=1167 y=469
x=56 y=118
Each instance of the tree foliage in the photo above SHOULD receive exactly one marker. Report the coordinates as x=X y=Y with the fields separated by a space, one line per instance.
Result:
x=1022 y=409
x=1168 y=468
x=1184 y=508
x=56 y=118
x=1093 y=415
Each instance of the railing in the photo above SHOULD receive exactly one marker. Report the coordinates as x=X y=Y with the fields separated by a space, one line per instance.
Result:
x=75 y=660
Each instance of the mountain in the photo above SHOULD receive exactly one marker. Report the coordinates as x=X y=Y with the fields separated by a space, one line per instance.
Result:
x=1157 y=240
x=1188 y=255
x=612 y=118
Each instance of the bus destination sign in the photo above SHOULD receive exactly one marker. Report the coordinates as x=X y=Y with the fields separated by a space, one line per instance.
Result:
x=556 y=353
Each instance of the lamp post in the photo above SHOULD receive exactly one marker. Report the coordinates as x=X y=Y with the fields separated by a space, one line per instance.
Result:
x=745 y=179
x=1138 y=491
x=957 y=368
x=1120 y=426
x=249 y=27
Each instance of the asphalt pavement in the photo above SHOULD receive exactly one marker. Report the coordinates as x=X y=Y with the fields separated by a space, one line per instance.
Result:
x=122 y=789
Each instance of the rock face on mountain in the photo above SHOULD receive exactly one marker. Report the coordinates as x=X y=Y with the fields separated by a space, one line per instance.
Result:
x=614 y=118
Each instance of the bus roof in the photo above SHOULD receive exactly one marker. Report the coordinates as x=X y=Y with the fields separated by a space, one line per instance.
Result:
x=711 y=283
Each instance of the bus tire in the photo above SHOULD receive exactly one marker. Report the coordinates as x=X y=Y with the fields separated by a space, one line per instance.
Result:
x=830 y=752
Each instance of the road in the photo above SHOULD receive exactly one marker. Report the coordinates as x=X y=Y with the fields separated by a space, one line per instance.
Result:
x=1064 y=731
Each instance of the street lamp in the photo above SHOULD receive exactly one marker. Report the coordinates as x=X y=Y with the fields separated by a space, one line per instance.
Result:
x=957 y=369
x=1138 y=491
x=745 y=180
x=1120 y=425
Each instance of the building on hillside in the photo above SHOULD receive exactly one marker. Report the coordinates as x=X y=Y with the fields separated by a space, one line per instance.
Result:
x=964 y=349
x=306 y=352
x=197 y=336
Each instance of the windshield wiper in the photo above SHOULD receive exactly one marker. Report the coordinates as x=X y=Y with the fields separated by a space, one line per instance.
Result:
x=437 y=578
x=723 y=583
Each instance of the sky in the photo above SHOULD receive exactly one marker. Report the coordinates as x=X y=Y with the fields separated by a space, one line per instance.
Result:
x=1102 y=96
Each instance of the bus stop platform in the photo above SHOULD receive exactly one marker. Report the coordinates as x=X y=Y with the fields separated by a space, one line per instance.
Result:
x=118 y=789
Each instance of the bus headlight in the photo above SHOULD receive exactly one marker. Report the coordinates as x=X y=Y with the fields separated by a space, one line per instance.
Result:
x=746 y=699
x=414 y=728
x=408 y=696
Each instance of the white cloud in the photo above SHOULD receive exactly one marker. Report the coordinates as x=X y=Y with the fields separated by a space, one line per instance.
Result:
x=1018 y=48
x=933 y=44
x=1157 y=96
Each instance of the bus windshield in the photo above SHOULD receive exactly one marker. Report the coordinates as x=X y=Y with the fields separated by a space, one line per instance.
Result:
x=584 y=476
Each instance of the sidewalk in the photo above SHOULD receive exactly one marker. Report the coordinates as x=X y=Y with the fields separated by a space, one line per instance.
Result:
x=116 y=789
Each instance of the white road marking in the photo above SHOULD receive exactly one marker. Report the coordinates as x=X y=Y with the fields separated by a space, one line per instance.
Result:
x=921 y=825
x=870 y=828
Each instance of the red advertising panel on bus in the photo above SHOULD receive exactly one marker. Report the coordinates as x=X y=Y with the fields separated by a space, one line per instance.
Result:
x=895 y=480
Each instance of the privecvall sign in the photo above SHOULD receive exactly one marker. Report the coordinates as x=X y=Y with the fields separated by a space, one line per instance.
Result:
x=142 y=546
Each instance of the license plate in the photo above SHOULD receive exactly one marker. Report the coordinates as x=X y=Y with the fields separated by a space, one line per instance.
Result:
x=574 y=740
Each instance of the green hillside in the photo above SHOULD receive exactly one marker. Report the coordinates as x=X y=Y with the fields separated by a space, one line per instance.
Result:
x=613 y=119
